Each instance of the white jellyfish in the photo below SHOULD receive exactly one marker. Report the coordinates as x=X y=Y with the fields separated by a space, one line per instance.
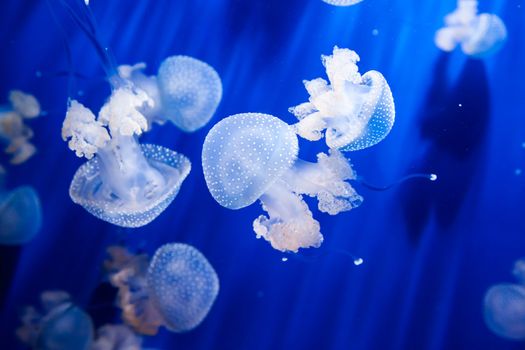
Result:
x=20 y=214
x=176 y=289
x=59 y=325
x=251 y=156
x=186 y=91
x=354 y=111
x=126 y=184
x=504 y=306
x=14 y=133
x=116 y=337
x=479 y=35
x=342 y=2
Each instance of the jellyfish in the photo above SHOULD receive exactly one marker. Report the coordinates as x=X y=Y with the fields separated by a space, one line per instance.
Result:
x=175 y=289
x=504 y=306
x=14 y=133
x=123 y=182
x=60 y=324
x=479 y=35
x=342 y=2
x=354 y=111
x=186 y=91
x=116 y=337
x=20 y=214
x=252 y=156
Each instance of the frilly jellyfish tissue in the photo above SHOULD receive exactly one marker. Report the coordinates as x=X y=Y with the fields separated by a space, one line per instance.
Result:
x=14 y=134
x=354 y=111
x=59 y=325
x=504 y=306
x=20 y=215
x=479 y=35
x=342 y=2
x=176 y=289
x=126 y=184
x=251 y=156
x=116 y=337
x=186 y=91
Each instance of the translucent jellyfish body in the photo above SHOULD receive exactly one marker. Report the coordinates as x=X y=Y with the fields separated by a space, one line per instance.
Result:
x=186 y=91
x=176 y=289
x=126 y=184
x=20 y=215
x=116 y=337
x=251 y=156
x=342 y=2
x=14 y=134
x=352 y=111
x=479 y=35
x=504 y=306
x=59 y=325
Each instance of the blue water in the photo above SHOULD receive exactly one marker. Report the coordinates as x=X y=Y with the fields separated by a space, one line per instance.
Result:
x=430 y=250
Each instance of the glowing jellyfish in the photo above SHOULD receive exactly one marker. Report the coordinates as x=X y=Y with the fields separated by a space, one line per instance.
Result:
x=186 y=91
x=504 y=306
x=126 y=184
x=176 y=289
x=479 y=35
x=251 y=156
x=59 y=325
x=20 y=215
x=342 y=2
x=116 y=337
x=14 y=134
x=354 y=111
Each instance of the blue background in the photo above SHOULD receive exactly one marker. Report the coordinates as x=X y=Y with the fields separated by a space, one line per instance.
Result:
x=430 y=250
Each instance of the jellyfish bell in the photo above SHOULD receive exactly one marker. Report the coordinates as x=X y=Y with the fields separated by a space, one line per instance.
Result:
x=20 y=215
x=59 y=325
x=353 y=111
x=504 y=310
x=176 y=289
x=126 y=184
x=342 y=2
x=186 y=91
x=183 y=286
x=253 y=156
x=488 y=36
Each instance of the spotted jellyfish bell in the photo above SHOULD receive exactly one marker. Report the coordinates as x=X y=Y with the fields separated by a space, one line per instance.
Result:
x=342 y=2
x=186 y=91
x=252 y=156
x=126 y=184
x=504 y=306
x=479 y=35
x=176 y=289
x=62 y=325
x=354 y=111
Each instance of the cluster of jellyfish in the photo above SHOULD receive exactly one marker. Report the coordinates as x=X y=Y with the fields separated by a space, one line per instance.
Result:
x=252 y=156
x=175 y=289
x=504 y=306
x=20 y=209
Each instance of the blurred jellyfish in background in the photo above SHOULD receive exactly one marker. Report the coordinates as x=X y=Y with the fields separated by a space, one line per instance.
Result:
x=59 y=324
x=176 y=289
x=504 y=306
x=186 y=91
x=126 y=184
x=14 y=134
x=342 y=2
x=354 y=111
x=479 y=35
x=252 y=156
x=20 y=213
x=116 y=337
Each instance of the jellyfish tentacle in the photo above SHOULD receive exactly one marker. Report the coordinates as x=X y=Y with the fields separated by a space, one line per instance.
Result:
x=361 y=180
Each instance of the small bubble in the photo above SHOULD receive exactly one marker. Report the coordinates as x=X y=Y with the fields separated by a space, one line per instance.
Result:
x=433 y=177
x=460 y=105
x=358 y=261
x=375 y=32
x=284 y=259
x=517 y=172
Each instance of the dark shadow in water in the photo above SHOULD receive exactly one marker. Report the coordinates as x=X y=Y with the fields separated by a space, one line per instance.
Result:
x=8 y=262
x=453 y=128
